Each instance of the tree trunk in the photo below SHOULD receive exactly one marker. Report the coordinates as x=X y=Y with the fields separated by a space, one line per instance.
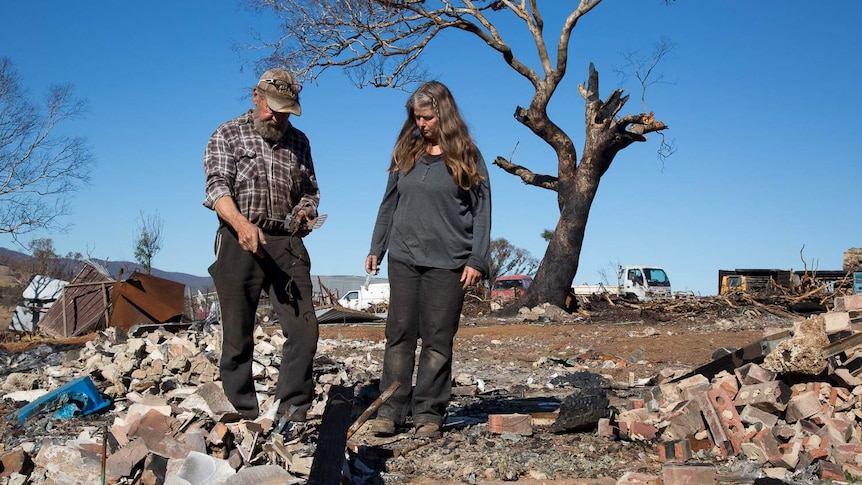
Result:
x=560 y=263
x=576 y=188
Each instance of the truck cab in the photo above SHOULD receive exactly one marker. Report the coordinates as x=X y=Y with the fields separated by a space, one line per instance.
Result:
x=644 y=282
x=510 y=286
x=366 y=297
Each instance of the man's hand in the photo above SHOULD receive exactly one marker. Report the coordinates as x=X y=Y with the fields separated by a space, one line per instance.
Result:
x=251 y=238
x=299 y=224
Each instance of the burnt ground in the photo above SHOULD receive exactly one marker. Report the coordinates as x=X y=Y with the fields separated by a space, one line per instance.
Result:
x=521 y=367
x=518 y=366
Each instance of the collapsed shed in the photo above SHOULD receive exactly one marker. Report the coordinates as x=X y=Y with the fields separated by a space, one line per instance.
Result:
x=94 y=300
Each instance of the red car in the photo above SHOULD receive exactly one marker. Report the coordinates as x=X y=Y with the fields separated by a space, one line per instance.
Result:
x=510 y=286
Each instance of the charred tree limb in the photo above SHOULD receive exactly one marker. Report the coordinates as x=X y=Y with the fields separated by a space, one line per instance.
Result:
x=606 y=134
x=527 y=176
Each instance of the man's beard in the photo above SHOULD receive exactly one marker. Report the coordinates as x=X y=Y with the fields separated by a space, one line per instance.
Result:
x=269 y=130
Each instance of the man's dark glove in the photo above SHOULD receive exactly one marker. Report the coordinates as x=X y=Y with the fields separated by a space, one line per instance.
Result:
x=302 y=226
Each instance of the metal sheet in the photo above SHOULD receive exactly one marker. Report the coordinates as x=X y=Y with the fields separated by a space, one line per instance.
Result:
x=82 y=305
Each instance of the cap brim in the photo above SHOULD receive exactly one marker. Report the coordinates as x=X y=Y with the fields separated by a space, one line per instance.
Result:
x=283 y=105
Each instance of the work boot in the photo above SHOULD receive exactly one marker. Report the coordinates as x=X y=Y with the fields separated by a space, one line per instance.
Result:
x=382 y=427
x=428 y=430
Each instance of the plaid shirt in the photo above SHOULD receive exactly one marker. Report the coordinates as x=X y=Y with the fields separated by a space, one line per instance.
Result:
x=266 y=181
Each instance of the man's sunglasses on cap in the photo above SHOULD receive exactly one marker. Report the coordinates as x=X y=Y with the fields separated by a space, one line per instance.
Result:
x=283 y=87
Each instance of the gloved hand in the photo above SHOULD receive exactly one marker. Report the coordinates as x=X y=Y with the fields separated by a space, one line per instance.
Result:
x=302 y=219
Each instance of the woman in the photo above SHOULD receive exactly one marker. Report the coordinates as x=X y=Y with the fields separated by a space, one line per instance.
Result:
x=435 y=221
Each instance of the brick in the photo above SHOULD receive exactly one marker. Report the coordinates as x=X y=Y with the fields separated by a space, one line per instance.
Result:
x=691 y=387
x=836 y=322
x=698 y=443
x=768 y=396
x=723 y=404
x=789 y=455
x=819 y=448
x=669 y=392
x=674 y=474
x=606 y=429
x=775 y=473
x=846 y=453
x=121 y=463
x=829 y=471
x=677 y=451
x=512 y=423
x=801 y=406
x=642 y=431
x=684 y=420
x=161 y=444
x=753 y=415
x=847 y=303
x=727 y=381
x=218 y=434
x=753 y=453
x=839 y=430
x=155 y=420
x=752 y=373
x=15 y=461
x=768 y=444
x=728 y=444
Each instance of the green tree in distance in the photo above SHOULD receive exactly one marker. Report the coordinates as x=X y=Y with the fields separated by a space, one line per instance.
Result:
x=148 y=241
x=508 y=259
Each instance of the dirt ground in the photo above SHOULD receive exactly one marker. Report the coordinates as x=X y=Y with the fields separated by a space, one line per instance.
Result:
x=516 y=361
x=514 y=364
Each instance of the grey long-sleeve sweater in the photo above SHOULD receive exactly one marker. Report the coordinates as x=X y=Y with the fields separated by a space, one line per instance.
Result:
x=425 y=219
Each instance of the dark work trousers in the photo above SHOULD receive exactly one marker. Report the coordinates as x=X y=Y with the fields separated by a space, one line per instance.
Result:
x=424 y=303
x=284 y=273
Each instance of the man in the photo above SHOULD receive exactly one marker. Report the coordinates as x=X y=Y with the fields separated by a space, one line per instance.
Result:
x=260 y=182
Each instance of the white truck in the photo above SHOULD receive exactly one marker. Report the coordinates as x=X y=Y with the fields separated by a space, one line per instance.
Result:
x=636 y=282
x=366 y=296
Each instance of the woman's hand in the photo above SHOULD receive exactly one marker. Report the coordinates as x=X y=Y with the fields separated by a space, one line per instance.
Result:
x=470 y=276
x=371 y=264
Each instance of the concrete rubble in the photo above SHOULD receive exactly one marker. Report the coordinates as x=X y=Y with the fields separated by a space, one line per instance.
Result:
x=792 y=413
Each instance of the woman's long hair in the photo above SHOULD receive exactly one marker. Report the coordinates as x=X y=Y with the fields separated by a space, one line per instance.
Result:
x=459 y=149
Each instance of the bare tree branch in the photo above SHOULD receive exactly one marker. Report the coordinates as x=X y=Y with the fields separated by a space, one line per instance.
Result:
x=39 y=168
x=527 y=176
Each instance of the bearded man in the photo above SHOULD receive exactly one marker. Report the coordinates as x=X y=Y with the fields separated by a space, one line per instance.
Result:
x=259 y=177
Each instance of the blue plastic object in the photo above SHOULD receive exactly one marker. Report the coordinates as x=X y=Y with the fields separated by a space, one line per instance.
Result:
x=857 y=282
x=76 y=398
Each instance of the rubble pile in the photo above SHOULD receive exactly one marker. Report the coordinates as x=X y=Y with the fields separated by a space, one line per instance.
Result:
x=169 y=421
x=788 y=407
x=794 y=408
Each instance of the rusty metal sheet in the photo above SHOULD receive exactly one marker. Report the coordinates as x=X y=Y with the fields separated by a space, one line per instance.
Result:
x=144 y=299
x=82 y=305
x=339 y=314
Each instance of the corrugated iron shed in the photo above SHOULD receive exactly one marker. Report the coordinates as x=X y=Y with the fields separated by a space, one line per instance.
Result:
x=82 y=305
x=143 y=299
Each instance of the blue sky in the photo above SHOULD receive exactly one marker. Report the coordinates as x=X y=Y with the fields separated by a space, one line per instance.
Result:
x=758 y=98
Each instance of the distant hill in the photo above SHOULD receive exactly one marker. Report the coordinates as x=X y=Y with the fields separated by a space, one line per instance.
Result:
x=340 y=283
